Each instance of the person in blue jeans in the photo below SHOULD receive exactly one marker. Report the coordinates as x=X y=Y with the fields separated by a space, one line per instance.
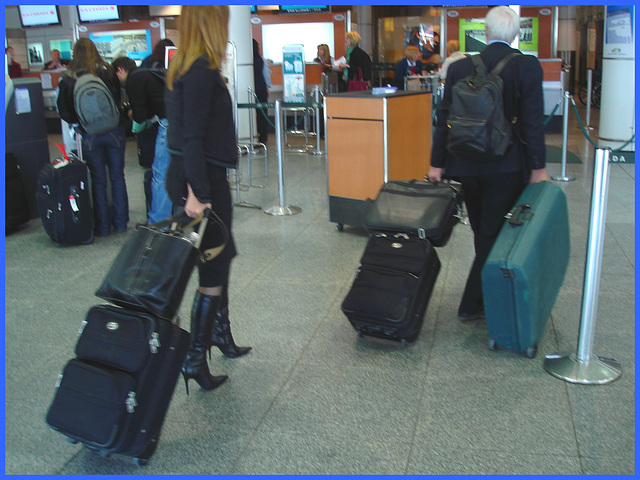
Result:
x=145 y=90
x=104 y=152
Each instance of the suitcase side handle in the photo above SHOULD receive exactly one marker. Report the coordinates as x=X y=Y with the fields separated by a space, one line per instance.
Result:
x=519 y=215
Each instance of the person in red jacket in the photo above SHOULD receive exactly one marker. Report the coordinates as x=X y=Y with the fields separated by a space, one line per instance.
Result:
x=15 y=69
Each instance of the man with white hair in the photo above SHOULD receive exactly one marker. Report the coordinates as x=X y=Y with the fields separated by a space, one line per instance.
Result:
x=491 y=187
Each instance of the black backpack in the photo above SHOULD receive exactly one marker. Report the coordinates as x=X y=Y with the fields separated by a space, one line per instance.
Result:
x=477 y=126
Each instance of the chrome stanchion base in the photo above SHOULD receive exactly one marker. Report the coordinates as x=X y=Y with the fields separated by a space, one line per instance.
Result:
x=244 y=204
x=282 y=211
x=598 y=371
x=566 y=178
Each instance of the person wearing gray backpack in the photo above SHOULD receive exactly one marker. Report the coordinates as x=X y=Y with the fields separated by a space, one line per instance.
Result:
x=90 y=97
x=492 y=182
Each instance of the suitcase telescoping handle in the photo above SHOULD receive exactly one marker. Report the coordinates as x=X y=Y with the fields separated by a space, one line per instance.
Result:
x=520 y=214
x=181 y=222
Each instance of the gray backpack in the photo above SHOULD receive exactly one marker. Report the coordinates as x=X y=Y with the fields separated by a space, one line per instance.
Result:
x=96 y=108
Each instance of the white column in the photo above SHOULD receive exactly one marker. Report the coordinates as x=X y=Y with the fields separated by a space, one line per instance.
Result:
x=365 y=28
x=240 y=34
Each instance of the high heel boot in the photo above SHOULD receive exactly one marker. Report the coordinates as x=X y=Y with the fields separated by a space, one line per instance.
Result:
x=195 y=365
x=221 y=332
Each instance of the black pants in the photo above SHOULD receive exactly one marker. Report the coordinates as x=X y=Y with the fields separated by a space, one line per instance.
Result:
x=261 y=118
x=488 y=199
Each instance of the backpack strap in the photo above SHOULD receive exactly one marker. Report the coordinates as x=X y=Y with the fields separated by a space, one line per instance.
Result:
x=502 y=63
x=478 y=64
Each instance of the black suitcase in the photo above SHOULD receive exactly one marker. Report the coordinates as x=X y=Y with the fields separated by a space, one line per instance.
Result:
x=64 y=202
x=16 y=203
x=392 y=287
x=416 y=207
x=113 y=397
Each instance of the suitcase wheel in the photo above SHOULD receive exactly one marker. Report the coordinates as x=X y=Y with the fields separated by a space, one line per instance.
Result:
x=404 y=342
x=531 y=351
x=340 y=227
x=492 y=344
x=144 y=457
x=141 y=462
x=360 y=334
x=72 y=441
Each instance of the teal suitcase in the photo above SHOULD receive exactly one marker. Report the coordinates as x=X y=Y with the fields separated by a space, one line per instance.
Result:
x=525 y=269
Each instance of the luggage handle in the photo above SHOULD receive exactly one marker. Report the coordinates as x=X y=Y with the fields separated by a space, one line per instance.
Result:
x=180 y=222
x=519 y=215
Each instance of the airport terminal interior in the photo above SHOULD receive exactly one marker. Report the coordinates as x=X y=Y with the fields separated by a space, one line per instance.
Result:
x=314 y=398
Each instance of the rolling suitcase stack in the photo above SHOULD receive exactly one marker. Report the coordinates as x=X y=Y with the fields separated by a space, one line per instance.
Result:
x=525 y=269
x=114 y=395
x=392 y=287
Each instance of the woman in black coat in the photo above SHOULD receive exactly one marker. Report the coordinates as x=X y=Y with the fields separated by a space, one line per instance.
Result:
x=358 y=61
x=202 y=143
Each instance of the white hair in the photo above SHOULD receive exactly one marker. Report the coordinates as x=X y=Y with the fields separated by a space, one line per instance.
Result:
x=502 y=23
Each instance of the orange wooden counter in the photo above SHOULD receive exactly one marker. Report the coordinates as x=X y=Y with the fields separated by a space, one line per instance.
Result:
x=372 y=139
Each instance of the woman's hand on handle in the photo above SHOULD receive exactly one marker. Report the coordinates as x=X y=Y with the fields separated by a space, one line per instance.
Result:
x=193 y=207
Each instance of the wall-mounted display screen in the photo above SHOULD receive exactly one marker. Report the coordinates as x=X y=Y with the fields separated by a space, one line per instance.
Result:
x=277 y=35
x=39 y=15
x=473 y=38
x=303 y=8
x=98 y=13
x=135 y=44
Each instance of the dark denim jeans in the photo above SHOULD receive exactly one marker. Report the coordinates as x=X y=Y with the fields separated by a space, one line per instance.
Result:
x=105 y=151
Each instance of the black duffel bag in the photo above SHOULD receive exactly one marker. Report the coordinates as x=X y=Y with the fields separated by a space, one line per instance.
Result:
x=418 y=208
x=151 y=272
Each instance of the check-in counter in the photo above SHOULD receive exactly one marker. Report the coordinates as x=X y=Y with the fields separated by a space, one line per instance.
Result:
x=372 y=139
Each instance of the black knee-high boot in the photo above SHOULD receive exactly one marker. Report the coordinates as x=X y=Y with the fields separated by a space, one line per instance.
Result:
x=221 y=333
x=195 y=366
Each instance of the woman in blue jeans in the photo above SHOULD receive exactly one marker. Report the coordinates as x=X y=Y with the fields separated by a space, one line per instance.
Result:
x=104 y=151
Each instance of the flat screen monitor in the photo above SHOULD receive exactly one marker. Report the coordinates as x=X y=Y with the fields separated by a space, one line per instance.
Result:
x=135 y=44
x=303 y=8
x=98 y=13
x=39 y=15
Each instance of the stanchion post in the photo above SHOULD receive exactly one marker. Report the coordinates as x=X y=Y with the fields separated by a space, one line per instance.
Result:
x=584 y=367
x=281 y=209
x=589 y=89
x=316 y=96
x=563 y=177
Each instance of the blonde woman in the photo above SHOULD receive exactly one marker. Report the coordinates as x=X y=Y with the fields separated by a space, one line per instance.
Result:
x=408 y=66
x=202 y=143
x=357 y=60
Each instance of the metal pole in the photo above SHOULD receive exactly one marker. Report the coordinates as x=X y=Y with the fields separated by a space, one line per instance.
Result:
x=589 y=88
x=584 y=367
x=280 y=209
x=563 y=177
x=316 y=96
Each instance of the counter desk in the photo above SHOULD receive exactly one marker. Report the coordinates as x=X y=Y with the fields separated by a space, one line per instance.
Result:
x=372 y=139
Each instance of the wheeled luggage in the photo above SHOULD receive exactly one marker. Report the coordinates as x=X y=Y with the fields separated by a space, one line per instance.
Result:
x=16 y=202
x=392 y=287
x=416 y=207
x=64 y=202
x=113 y=397
x=525 y=269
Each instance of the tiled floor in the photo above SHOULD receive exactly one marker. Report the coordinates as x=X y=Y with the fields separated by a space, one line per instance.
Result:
x=312 y=398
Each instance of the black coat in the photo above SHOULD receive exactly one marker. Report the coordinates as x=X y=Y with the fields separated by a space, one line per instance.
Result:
x=145 y=90
x=201 y=128
x=359 y=59
x=402 y=70
x=522 y=99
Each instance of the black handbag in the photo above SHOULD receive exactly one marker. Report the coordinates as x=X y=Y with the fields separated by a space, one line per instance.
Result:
x=418 y=208
x=152 y=270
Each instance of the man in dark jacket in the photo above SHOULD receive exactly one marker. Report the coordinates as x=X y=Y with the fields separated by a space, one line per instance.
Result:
x=145 y=90
x=491 y=188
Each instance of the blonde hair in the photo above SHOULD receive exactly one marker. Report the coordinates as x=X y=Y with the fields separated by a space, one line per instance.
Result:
x=354 y=37
x=453 y=46
x=86 y=59
x=410 y=51
x=203 y=30
x=327 y=54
